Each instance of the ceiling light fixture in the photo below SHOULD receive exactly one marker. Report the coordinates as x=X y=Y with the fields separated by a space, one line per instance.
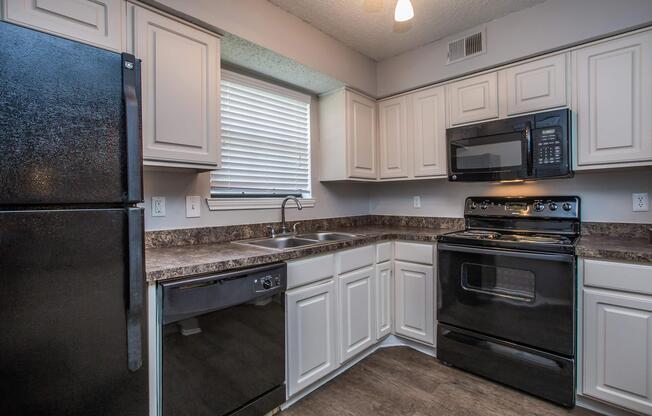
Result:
x=404 y=11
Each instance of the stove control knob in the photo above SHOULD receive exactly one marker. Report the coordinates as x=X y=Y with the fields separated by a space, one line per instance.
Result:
x=267 y=284
x=553 y=206
x=473 y=205
x=567 y=206
x=538 y=207
x=484 y=205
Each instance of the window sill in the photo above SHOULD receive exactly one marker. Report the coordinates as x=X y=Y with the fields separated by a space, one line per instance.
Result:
x=229 y=204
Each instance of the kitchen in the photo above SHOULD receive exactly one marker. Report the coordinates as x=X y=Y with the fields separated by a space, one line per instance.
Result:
x=416 y=207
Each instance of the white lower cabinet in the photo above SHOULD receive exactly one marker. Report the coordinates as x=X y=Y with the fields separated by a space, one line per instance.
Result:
x=618 y=348
x=357 y=311
x=414 y=292
x=384 y=299
x=311 y=334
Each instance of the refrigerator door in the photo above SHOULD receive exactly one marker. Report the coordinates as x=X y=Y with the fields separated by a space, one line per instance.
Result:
x=69 y=122
x=72 y=314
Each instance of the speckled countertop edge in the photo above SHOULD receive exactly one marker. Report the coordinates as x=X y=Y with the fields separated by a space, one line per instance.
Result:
x=170 y=263
x=616 y=248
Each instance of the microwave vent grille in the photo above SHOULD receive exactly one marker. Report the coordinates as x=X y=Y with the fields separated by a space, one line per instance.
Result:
x=470 y=45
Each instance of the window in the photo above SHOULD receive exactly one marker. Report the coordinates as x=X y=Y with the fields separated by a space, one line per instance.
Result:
x=265 y=141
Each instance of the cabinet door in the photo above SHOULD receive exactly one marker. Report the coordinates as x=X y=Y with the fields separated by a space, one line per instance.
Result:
x=427 y=120
x=618 y=349
x=474 y=99
x=361 y=136
x=384 y=299
x=97 y=22
x=613 y=82
x=180 y=90
x=311 y=334
x=415 y=291
x=357 y=312
x=536 y=85
x=393 y=138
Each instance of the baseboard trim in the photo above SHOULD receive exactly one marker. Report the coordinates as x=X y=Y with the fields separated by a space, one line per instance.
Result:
x=602 y=407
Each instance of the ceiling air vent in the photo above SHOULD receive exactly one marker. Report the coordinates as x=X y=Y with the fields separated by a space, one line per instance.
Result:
x=467 y=46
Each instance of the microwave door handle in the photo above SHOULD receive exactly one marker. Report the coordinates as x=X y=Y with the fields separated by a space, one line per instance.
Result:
x=528 y=141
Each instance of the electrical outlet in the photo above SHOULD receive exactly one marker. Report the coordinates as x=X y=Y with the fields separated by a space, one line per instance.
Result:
x=640 y=202
x=158 y=206
x=416 y=201
x=193 y=206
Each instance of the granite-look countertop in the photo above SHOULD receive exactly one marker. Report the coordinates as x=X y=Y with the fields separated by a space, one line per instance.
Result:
x=168 y=263
x=615 y=248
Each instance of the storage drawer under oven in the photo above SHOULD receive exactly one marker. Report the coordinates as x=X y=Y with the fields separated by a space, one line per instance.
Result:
x=523 y=297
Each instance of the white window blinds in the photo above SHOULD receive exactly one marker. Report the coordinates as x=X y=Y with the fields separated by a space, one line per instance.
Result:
x=265 y=140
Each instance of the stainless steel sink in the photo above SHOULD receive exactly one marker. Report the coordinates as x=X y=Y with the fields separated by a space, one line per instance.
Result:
x=328 y=236
x=300 y=240
x=281 y=243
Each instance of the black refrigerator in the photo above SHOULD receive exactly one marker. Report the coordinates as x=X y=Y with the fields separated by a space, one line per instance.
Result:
x=72 y=288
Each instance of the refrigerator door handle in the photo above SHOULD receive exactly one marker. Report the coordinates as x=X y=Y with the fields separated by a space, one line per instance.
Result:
x=131 y=93
x=135 y=289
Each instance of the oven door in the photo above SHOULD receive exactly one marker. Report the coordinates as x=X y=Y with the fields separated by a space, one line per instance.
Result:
x=523 y=297
x=504 y=156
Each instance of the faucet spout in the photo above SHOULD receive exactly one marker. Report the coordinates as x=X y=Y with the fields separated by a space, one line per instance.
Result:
x=285 y=201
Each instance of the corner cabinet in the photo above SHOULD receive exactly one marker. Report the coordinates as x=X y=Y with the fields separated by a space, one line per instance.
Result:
x=99 y=23
x=180 y=90
x=427 y=132
x=613 y=102
x=357 y=311
x=348 y=136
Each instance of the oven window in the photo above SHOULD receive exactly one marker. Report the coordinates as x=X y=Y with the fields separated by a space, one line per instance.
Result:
x=488 y=156
x=500 y=281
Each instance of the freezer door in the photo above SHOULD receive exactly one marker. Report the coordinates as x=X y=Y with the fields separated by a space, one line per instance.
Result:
x=71 y=290
x=69 y=122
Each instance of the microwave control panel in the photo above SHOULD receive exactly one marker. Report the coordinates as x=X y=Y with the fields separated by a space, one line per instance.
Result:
x=547 y=147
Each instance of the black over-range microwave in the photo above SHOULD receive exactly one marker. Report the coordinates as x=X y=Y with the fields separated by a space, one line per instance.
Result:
x=534 y=146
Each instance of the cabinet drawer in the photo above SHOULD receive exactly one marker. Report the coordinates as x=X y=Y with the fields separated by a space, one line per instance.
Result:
x=313 y=269
x=356 y=258
x=383 y=252
x=619 y=276
x=414 y=252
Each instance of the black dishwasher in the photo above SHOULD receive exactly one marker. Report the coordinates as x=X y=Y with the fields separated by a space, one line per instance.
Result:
x=223 y=343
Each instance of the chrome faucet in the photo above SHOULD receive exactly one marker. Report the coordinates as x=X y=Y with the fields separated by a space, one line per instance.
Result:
x=284 y=230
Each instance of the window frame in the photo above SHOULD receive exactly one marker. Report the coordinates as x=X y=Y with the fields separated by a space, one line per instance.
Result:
x=217 y=203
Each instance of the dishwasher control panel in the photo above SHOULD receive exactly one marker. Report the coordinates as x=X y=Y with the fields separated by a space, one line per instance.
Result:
x=267 y=281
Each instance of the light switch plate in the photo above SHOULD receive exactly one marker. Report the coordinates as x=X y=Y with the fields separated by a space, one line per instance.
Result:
x=158 y=206
x=416 y=201
x=640 y=202
x=193 y=204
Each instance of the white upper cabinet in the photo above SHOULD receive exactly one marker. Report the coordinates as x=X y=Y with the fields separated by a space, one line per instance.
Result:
x=427 y=129
x=613 y=102
x=96 y=22
x=536 y=85
x=348 y=136
x=393 y=138
x=180 y=91
x=357 y=311
x=361 y=125
x=618 y=349
x=474 y=99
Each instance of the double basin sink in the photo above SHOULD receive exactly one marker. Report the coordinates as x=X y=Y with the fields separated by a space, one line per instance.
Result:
x=300 y=240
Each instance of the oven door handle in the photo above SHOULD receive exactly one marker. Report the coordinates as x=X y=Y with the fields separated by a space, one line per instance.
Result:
x=567 y=258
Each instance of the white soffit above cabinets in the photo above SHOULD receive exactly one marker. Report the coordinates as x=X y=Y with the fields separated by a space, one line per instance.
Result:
x=375 y=34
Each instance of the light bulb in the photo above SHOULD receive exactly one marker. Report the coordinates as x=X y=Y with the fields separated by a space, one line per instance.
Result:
x=404 y=11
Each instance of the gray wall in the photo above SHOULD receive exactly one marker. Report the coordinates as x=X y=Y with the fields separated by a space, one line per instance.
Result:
x=549 y=25
x=606 y=196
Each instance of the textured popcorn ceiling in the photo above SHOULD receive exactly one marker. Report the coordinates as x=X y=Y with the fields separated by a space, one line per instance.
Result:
x=244 y=54
x=376 y=35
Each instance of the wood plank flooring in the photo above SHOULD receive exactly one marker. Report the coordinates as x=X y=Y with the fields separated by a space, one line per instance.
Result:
x=399 y=381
